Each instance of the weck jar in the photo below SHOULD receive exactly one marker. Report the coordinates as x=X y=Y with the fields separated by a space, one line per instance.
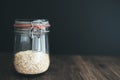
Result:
x=31 y=48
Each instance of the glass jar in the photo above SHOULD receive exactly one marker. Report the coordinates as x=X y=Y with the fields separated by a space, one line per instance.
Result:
x=31 y=48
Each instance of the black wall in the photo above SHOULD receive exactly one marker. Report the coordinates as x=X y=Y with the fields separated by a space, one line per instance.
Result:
x=78 y=26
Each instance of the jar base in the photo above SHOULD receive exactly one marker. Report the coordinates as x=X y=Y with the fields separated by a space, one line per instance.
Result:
x=28 y=62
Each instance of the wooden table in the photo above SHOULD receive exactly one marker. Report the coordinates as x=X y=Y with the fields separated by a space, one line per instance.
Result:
x=67 y=67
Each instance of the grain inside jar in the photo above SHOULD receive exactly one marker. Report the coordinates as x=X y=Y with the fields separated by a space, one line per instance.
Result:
x=30 y=62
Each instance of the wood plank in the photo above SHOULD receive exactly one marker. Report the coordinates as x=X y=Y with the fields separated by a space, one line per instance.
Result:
x=67 y=67
x=84 y=69
x=103 y=64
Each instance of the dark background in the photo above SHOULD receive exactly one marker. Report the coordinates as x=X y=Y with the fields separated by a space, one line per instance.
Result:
x=78 y=26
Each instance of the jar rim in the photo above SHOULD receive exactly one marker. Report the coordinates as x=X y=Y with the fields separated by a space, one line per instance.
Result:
x=24 y=23
x=29 y=20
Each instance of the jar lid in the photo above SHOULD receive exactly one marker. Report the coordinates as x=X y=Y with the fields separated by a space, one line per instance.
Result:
x=24 y=23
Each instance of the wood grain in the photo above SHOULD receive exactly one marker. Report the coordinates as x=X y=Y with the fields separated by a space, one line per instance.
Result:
x=67 y=67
